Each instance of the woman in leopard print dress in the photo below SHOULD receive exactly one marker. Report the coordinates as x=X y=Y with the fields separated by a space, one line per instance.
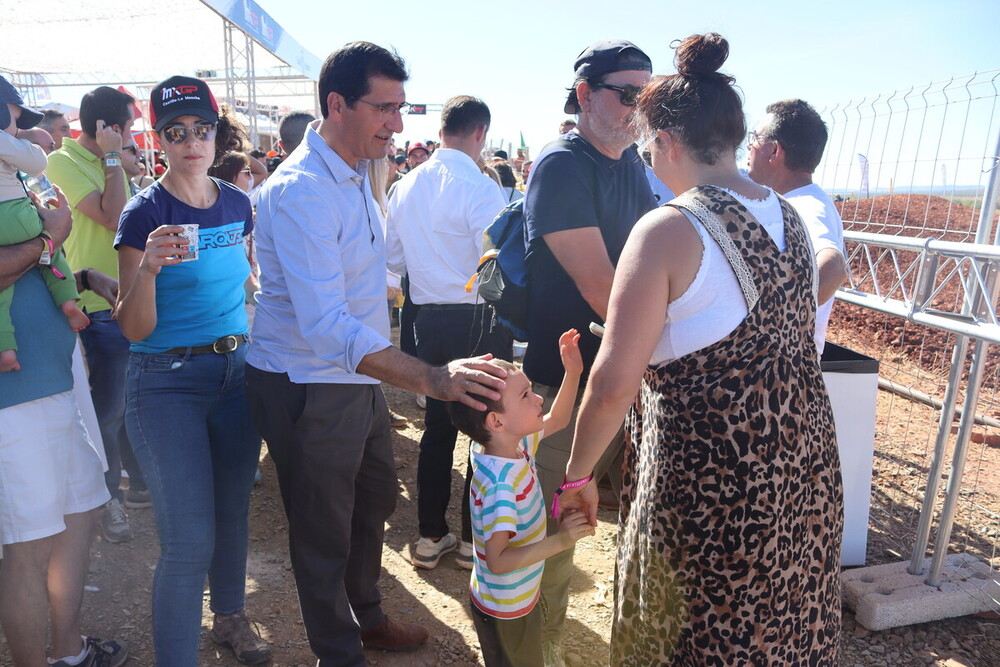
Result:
x=731 y=517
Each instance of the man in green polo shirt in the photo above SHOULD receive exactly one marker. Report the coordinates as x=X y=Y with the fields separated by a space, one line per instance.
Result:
x=89 y=171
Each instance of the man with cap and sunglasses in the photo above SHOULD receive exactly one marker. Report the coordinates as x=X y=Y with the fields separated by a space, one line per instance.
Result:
x=89 y=169
x=587 y=190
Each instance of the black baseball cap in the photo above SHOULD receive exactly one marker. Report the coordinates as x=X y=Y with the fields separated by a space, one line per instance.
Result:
x=605 y=57
x=181 y=96
x=9 y=95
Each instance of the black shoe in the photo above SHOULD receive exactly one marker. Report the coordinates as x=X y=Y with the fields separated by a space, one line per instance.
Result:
x=100 y=654
x=137 y=500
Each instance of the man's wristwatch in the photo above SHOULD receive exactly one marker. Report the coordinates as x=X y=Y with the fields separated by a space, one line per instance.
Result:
x=48 y=249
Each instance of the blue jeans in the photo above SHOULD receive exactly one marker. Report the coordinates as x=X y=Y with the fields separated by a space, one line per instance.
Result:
x=189 y=423
x=107 y=357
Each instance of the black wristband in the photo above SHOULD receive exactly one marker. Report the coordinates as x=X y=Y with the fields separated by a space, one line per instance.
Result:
x=85 y=279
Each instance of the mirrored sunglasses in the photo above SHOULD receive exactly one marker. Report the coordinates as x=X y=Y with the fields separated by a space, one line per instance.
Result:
x=177 y=134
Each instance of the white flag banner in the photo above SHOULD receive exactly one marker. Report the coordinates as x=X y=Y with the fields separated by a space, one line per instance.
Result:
x=863 y=161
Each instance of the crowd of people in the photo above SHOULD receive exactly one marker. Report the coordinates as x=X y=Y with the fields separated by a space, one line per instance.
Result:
x=226 y=297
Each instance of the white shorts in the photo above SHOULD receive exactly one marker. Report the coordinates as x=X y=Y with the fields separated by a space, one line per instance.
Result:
x=48 y=468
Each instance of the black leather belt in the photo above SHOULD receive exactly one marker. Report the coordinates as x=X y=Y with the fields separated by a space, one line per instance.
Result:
x=221 y=346
x=452 y=306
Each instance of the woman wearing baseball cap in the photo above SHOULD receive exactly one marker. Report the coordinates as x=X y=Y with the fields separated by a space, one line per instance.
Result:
x=182 y=267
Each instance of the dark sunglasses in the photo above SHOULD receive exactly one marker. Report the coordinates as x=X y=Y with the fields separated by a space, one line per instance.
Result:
x=134 y=150
x=177 y=134
x=627 y=95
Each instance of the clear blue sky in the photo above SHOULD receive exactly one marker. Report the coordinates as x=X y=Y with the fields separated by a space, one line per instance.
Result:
x=518 y=56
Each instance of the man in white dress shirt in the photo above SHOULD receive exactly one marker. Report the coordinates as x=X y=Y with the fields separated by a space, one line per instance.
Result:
x=436 y=221
x=785 y=150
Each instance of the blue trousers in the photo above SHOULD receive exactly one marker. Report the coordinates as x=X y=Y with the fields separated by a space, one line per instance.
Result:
x=189 y=422
x=107 y=358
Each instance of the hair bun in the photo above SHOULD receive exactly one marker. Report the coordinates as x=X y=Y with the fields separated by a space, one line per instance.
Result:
x=701 y=54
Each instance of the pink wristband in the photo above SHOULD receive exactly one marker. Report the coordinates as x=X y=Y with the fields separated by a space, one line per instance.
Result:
x=567 y=485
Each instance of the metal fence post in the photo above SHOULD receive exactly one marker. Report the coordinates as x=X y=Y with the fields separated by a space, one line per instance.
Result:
x=983 y=233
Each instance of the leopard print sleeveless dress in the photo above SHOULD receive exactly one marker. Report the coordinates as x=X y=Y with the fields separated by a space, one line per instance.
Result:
x=732 y=509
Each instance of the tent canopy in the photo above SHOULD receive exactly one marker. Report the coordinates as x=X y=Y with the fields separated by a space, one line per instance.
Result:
x=127 y=42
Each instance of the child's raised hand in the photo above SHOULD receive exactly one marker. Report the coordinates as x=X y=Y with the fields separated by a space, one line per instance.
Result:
x=574 y=525
x=569 y=352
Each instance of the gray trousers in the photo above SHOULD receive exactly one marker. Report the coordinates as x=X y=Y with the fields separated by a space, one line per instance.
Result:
x=332 y=450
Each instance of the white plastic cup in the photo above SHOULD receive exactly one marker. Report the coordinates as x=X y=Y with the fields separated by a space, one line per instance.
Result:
x=191 y=234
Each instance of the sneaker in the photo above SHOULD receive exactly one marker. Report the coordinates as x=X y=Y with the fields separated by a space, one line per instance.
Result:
x=397 y=420
x=235 y=632
x=427 y=552
x=137 y=500
x=464 y=557
x=393 y=636
x=99 y=654
x=114 y=522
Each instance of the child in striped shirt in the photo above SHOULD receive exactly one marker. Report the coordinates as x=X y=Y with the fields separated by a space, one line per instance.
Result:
x=508 y=510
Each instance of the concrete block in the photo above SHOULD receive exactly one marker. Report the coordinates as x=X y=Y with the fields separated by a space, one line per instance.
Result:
x=887 y=596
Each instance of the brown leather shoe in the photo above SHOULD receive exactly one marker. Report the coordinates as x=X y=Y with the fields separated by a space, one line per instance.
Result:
x=393 y=636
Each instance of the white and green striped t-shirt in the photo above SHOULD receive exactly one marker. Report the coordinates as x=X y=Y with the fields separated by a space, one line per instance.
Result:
x=505 y=495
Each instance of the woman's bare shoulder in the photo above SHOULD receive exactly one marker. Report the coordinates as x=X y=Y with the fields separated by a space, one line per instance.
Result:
x=668 y=228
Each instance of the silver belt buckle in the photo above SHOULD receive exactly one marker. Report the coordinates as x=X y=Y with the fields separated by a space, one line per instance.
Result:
x=225 y=344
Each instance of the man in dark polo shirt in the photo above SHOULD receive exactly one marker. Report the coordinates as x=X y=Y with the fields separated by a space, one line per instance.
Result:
x=587 y=191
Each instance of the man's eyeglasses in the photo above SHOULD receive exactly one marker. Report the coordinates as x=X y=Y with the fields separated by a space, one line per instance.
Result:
x=388 y=109
x=755 y=139
x=134 y=150
x=627 y=95
x=177 y=134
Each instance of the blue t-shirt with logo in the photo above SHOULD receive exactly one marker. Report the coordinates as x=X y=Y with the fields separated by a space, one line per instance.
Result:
x=200 y=301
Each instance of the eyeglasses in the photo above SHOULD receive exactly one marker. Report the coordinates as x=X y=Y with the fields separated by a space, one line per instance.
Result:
x=627 y=95
x=134 y=150
x=246 y=171
x=643 y=145
x=388 y=109
x=177 y=134
x=754 y=139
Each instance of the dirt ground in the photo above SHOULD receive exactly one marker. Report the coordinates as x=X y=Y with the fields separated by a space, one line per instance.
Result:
x=117 y=602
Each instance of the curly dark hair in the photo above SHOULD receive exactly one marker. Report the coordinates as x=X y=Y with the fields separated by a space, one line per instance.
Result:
x=230 y=135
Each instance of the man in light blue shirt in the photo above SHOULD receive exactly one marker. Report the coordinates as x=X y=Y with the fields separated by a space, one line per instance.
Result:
x=320 y=346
